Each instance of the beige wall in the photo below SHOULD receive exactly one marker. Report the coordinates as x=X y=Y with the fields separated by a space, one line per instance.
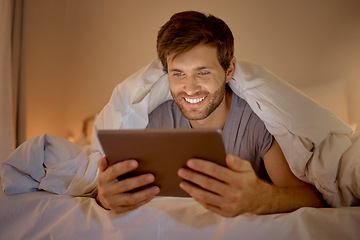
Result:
x=76 y=51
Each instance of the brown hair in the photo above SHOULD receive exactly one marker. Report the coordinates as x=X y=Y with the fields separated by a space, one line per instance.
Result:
x=187 y=29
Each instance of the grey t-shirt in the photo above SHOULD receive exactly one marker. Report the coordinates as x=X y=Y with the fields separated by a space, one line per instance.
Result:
x=244 y=134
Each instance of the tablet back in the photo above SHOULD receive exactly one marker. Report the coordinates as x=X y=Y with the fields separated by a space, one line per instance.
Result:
x=162 y=152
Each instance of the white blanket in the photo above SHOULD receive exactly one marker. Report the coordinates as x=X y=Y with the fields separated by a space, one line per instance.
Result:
x=317 y=145
x=51 y=164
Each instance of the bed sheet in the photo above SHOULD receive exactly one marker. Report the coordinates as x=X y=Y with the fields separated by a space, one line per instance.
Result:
x=43 y=215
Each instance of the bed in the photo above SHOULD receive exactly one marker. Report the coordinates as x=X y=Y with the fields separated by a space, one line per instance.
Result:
x=49 y=184
x=44 y=215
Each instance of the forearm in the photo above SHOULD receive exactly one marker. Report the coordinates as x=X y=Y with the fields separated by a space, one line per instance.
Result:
x=275 y=199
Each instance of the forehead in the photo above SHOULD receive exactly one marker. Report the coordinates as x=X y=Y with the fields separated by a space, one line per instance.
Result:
x=199 y=56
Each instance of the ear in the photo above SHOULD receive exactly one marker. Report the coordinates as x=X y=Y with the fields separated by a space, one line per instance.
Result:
x=231 y=70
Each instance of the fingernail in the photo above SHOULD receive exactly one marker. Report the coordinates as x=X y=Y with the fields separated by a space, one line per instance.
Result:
x=133 y=163
x=230 y=158
x=190 y=163
x=181 y=172
x=150 y=178
x=155 y=190
x=182 y=185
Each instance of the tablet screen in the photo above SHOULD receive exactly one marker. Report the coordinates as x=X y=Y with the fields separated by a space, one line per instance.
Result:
x=162 y=152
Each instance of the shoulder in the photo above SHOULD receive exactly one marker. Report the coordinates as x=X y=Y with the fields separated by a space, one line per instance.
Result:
x=241 y=105
x=255 y=127
x=161 y=116
x=167 y=115
x=165 y=107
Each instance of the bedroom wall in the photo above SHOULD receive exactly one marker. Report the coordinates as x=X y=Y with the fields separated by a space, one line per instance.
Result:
x=342 y=62
x=75 y=52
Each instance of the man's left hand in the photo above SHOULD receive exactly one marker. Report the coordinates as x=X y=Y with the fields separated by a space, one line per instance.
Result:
x=226 y=191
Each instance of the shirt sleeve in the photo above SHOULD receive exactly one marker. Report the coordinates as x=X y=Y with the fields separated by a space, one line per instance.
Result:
x=263 y=137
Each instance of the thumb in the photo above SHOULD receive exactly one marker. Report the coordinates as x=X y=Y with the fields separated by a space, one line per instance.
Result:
x=103 y=164
x=237 y=164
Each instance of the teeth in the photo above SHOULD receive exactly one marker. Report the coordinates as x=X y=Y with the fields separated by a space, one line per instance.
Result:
x=197 y=100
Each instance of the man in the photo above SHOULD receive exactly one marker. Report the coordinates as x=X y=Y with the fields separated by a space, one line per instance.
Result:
x=197 y=52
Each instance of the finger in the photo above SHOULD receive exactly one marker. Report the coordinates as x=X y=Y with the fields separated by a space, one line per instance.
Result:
x=237 y=164
x=210 y=201
x=102 y=164
x=203 y=181
x=212 y=169
x=118 y=169
x=200 y=195
x=134 y=200
x=109 y=194
x=132 y=183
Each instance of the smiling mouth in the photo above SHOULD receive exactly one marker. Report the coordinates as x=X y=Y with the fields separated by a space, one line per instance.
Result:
x=194 y=100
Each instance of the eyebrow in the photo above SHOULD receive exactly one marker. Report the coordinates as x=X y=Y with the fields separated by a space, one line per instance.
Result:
x=174 y=70
x=195 y=69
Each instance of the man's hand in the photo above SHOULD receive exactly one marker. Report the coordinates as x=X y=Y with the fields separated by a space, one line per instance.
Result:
x=237 y=189
x=229 y=191
x=112 y=194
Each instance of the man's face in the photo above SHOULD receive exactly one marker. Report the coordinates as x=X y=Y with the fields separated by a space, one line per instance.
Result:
x=197 y=81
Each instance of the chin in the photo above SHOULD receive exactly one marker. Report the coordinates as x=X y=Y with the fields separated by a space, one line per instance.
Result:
x=195 y=115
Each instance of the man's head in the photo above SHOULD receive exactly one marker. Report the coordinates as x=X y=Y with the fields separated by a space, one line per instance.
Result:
x=197 y=52
x=185 y=30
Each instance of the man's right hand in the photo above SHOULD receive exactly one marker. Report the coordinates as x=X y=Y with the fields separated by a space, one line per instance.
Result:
x=113 y=194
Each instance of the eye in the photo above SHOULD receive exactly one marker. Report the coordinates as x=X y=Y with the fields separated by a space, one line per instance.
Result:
x=203 y=73
x=178 y=74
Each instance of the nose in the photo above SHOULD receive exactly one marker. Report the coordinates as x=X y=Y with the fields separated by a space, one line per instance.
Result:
x=191 y=85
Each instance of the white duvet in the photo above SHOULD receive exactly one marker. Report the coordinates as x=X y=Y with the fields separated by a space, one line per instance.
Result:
x=319 y=148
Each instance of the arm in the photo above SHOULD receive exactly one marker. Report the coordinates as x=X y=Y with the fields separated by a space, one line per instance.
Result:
x=112 y=194
x=235 y=190
x=291 y=193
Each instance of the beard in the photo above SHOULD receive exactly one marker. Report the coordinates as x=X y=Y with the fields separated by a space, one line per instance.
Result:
x=213 y=100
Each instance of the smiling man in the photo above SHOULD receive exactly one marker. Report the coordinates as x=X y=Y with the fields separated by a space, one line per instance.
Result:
x=197 y=52
x=198 y=86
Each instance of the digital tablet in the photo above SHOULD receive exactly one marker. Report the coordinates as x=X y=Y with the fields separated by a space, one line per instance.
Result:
x=162 y=152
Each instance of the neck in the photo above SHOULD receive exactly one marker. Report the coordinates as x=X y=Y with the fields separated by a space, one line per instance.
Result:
x=216 y=119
